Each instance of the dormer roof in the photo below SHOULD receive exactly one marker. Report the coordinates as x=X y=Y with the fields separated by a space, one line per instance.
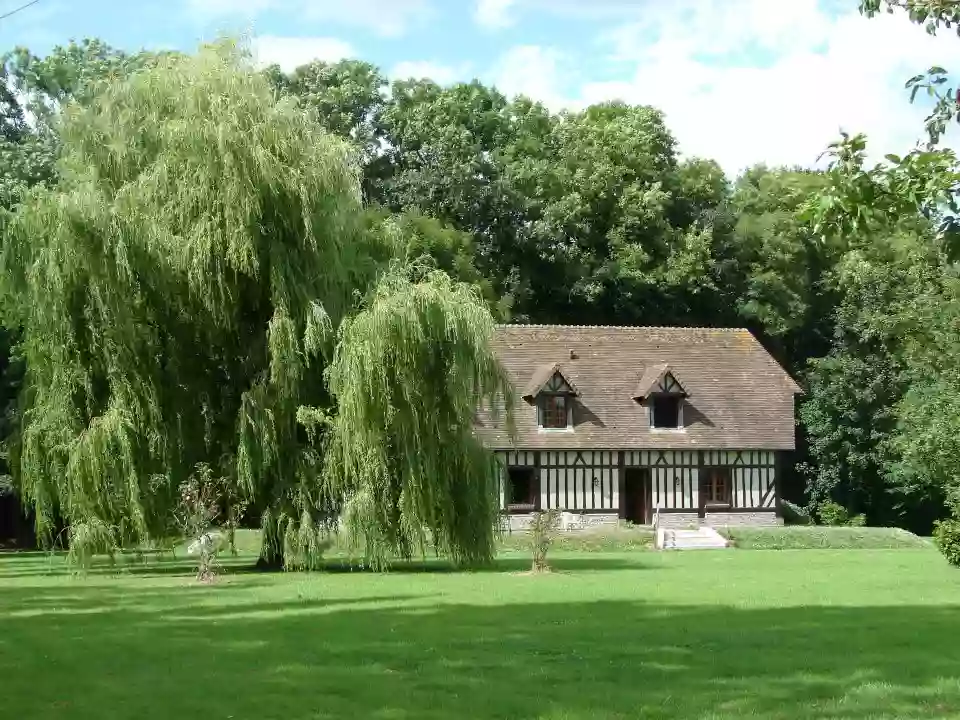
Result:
x=549 y=378
x=658 y=379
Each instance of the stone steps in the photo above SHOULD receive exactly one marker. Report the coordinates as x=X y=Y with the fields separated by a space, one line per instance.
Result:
x=704 y=538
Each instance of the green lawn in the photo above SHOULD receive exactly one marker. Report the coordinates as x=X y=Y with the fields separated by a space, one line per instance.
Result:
x=724 y=634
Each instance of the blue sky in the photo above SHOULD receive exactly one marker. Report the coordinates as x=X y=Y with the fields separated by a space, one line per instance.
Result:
x=742 y=81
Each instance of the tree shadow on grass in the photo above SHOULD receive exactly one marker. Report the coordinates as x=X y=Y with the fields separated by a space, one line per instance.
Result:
x=86 y=596
x=396 y=657
x=40 y=565
x=181 y=604
x=584 y=562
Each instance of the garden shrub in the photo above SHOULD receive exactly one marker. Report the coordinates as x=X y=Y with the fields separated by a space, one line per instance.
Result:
x=947 y=536
x=197 y=509
x=543 y=530
x=832 y=513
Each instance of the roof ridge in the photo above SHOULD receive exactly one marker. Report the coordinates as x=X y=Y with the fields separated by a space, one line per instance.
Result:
x=549 y=326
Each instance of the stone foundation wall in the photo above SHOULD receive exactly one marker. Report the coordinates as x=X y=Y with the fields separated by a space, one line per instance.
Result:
x=755 y=519
x=572 y=521
x=679 y=521
x=760 y=518
x=675 y=521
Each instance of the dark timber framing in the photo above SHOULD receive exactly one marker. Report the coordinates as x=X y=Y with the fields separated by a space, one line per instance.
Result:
x=594 y=481
x=536 y=477
x=701 y=472
x=621 y=486
x=778 y=483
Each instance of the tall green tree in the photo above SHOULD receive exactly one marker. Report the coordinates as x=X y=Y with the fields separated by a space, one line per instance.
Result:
x=923 y=449
x=442 y=158
x=182 y=287
x=582 y=216
x=347 y=98
x=775 y=266
x=852 y=413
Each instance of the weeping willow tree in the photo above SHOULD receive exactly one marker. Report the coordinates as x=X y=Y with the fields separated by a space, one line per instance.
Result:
x=409 y=373
x=180 y=288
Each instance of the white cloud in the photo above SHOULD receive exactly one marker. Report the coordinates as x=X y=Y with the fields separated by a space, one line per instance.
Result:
x=291 y=52
x=494 y=13
x=205 y=10
x=419 y=69
x=534 y=71
x=747 y=81
x=724 y=28
x=384 y=17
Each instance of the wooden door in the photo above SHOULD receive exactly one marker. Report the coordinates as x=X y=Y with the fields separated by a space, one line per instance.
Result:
x=636 y=500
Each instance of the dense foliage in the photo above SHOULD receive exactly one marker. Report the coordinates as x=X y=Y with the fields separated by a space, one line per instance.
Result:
x=406 y=375
x=947 y=536
x=849 y=276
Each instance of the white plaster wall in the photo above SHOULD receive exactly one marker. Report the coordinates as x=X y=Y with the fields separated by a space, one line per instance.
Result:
x=569 y=485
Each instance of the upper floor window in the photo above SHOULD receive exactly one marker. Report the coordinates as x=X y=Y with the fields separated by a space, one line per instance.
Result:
x=553 y=411
x=666 y=411
x=661 y=391
x=552 y=392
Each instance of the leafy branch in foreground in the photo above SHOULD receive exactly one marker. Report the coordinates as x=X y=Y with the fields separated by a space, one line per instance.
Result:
x=916 y=191
x=932 y=14
x=929 y=13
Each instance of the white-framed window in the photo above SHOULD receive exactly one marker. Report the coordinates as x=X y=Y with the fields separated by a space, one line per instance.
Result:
x=666 y=412
x=554 y=412
x=716 y=486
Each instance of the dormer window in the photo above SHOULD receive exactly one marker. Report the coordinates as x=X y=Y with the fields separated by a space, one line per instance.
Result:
x=661 y=391
x=553 y=412
x=552 y=391
x=666 y=412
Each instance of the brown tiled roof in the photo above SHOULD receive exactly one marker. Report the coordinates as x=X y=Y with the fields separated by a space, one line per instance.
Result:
x=542 y=376
x=739 y=396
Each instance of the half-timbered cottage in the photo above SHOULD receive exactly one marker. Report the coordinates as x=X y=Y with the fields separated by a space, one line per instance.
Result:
x=619 y=423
